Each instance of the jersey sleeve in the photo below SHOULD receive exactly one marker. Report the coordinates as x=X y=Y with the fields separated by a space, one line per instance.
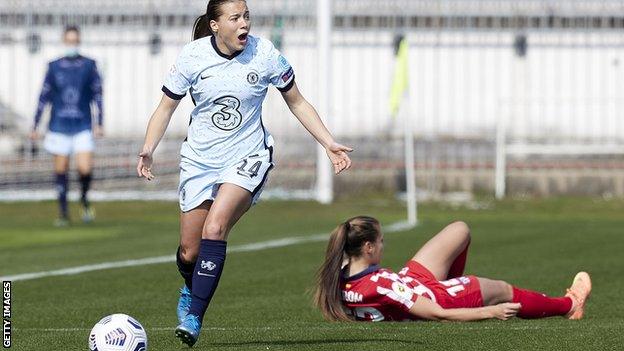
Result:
x=281 y=72
x=46 y=93
x=96 y=90
x=177 y=81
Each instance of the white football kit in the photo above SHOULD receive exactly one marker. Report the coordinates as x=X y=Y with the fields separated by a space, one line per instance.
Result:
x=226 y=142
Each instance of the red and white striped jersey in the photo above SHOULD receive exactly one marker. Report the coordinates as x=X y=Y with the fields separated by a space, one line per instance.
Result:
x=378 y=294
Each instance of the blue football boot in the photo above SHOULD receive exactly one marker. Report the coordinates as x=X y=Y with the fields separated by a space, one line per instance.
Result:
x=184 y=303
x=188 y=330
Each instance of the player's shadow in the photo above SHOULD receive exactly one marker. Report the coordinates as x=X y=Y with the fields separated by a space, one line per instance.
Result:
x=319 y=342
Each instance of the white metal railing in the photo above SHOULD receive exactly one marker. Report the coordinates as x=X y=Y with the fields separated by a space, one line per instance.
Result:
x=562 y=97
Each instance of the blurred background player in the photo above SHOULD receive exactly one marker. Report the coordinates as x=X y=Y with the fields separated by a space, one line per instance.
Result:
x=228 y=153
x=72 y=83
x=352 y=286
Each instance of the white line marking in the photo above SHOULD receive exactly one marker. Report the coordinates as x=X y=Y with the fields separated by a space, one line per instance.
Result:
x=138 y=195
x=259 y=246
x=348 y=326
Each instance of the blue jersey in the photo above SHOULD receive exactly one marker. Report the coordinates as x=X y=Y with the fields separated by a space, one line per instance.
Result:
x=70 y=86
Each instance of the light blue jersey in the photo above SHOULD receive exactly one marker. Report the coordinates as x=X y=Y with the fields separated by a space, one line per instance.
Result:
x=227 y=142
x=228 y=91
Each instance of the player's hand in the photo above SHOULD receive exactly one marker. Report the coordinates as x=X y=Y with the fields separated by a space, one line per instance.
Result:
x=337 y=153
x=98 y=131
x=144 y=167
x=34 y=135
x=504 y=311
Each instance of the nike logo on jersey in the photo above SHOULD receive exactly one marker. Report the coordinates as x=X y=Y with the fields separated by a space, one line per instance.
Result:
x=206 y=77
x=205 y=275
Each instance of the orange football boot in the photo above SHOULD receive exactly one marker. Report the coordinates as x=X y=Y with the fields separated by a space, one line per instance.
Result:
x=579 y=293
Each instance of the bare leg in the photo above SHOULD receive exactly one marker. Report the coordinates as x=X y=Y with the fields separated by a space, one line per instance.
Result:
x=440 y=252
x=231 y=203
x=61 y=164
x=194 y=222
x=84 y=162
x=191 y=225
x=536 y=304
x=495 y=291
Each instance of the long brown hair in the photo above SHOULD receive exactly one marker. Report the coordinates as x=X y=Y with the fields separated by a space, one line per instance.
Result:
x=344 y=242
x=201 y=27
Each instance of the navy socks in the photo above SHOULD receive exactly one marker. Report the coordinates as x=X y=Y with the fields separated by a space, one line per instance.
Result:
x=206 y=275
x=186 y=270
x=61 y=181
x=85 y=184
x=61 y=190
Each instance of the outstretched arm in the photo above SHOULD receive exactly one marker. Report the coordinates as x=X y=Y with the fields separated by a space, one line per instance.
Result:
x=155 y=130
x=426 y=309
x=309 y=118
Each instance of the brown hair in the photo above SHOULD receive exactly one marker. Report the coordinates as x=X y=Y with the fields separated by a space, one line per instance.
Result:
x=71 y=28
x=201 y=27
x=344 y=242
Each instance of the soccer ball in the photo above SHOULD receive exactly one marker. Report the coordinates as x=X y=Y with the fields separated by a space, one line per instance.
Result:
x=118 y=332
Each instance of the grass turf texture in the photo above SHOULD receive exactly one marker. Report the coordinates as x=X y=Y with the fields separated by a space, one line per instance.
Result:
x=263 y=301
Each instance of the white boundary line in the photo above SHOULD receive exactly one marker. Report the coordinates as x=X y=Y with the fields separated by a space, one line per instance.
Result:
x=9 y=196
x=349 y=326
x=259 y=246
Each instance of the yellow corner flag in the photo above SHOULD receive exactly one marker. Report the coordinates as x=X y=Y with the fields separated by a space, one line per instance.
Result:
x=400 y=84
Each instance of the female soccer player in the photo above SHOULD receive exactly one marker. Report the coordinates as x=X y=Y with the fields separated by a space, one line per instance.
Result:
x=431 y=286
x=71 y=84
x=227 y=156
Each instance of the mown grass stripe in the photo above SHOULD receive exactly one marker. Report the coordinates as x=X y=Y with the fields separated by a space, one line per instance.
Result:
x=259 y=246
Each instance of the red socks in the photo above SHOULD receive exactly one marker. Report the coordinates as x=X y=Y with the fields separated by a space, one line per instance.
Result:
x=457 y=268
x=536 y=305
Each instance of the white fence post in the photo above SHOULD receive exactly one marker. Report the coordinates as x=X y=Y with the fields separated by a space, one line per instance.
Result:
x=501 y=152
x=324 y=175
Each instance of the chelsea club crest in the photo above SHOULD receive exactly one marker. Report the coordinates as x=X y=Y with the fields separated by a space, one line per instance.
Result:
x=252 y=78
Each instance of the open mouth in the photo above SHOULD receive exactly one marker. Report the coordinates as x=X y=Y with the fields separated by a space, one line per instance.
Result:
x=243 y=37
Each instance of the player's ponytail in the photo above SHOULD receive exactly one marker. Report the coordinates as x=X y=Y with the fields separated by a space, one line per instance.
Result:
x=328 y=296
x=201 y=28
x=344 y=242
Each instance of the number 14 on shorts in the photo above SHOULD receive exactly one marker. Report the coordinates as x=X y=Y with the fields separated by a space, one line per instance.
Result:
x=249 y=167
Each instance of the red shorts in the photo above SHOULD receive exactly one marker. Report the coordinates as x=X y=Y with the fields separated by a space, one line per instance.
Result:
x=460 y=292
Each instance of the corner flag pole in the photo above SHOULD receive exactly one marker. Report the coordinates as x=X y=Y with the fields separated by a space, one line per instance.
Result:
x=400 y=92
x=410 y=176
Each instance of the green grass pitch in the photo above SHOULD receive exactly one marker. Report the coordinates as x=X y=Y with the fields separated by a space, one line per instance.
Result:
x=264 y=301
